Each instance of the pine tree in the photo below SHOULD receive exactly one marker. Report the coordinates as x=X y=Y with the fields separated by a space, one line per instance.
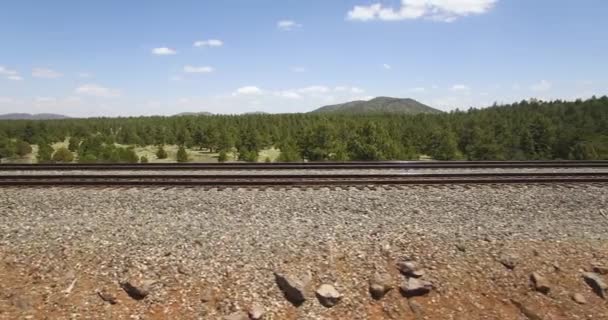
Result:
x=182 y=155
x=161 y=153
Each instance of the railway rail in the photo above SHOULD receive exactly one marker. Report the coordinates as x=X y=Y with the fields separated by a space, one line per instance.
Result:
x=268 y=180
x=310 y=165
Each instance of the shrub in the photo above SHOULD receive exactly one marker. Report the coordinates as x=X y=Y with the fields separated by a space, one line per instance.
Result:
x=22 y=148
x=182 y=155
x=143 y=159
x=45 y=152
x=63 y=155
x=222 y=157
x=73 y=144
x=161 y=153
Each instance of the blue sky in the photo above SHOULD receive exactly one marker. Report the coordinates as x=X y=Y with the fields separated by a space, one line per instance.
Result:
x=92 y=58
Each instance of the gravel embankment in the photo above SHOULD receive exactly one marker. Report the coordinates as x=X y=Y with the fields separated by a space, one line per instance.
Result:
x=208 y=254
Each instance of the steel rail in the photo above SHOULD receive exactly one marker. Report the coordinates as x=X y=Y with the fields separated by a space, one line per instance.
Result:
x=310 y=165
x=300 y=180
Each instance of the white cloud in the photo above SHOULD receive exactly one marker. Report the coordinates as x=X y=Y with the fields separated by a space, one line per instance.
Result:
x=45 y=100
x=10 y=74
x=163 y=51
x=247 y=90
x=543 y=85
x=298 y=69
x=439 y=10
x=45 y=73
x=191 y=69
x=7 y=72
x=417 y=89
x=208 y=43
x=289 y=94
x=314 y=89
x=97 y=91
x=387 y=66
x=84 y=75
x=460 y=87
x=288 y=25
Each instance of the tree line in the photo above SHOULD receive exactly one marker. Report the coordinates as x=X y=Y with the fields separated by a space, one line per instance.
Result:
x=526 y=130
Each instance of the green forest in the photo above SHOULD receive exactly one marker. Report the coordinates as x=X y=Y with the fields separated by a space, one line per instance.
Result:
x=527 y=130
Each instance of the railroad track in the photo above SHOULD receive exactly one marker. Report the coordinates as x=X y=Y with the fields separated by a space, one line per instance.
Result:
x=310 y=165
x=288 y=180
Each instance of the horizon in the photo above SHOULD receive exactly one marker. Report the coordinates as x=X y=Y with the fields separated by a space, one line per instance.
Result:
x=114 y=59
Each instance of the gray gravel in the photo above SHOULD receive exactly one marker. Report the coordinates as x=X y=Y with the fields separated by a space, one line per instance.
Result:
x=226 y=244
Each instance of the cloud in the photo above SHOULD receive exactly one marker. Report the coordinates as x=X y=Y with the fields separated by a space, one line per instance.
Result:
x=438 y=10
x=247 y=90
x=163 y=51
x=387 y=66
x=459 y=88
x=289 y=94
x=10 y=74
x=314 y=89
x=7 y=72
x=45 y=73
x=208 y=43
x=45 y=100
x=299 y=69
x=191 y=69
x=84 y=75
x=288 y=25
x=97 y=91
x=543 y=85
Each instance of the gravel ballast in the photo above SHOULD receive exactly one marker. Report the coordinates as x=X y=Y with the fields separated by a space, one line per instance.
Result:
x=206 y=254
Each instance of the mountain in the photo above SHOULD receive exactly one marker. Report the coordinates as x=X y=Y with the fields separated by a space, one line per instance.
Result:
x=379 y=105
x=204 y=113
x=27 y=116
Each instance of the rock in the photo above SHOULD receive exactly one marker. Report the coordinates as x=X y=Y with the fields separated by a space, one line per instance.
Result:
x=603 y=270
x=579 y=298
x=508 y=260
x=240 y=315
x=380 y=284
x=461 y=247
x=526 y=311
x=596 y=283
x=107 y=297
x=294 y=289
x=137 y=291
x=328 y=295
x=256 y=312
x=206 y=295
x=540 y=283
x=415 y=287
x=416 y=309
x=410 y=268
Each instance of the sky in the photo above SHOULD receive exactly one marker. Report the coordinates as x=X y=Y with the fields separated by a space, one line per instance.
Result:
x=160 y=57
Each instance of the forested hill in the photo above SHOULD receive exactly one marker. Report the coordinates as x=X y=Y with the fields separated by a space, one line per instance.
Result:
x=27 y=116
x=379 y=105
x=520 y=131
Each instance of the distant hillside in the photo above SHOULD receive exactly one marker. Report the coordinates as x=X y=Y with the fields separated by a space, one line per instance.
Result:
x=194 y=114
x=379 y=105
x=27 y=116
x=256 y=112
